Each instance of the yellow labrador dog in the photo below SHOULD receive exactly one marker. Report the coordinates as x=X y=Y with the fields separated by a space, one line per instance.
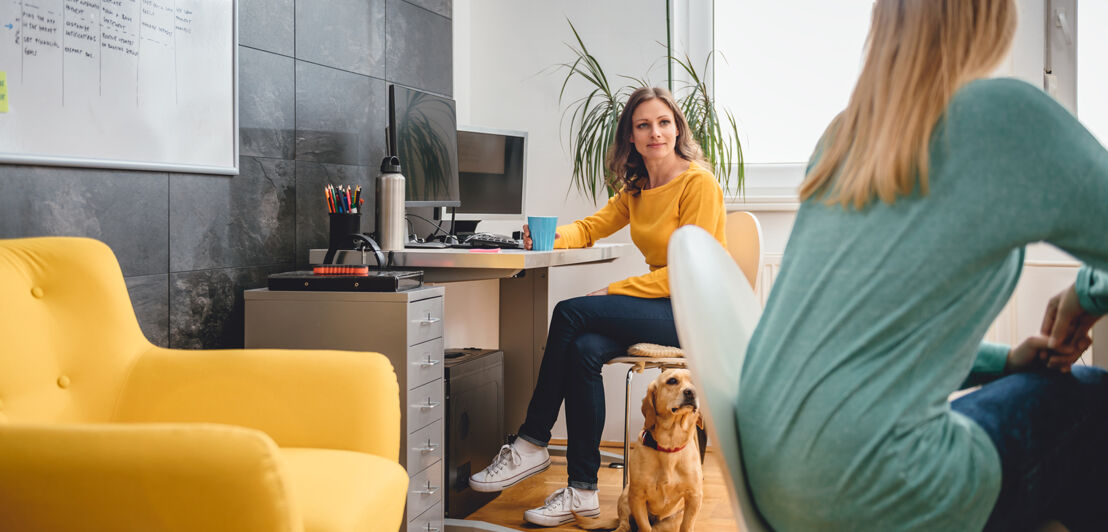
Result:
x=665 y=474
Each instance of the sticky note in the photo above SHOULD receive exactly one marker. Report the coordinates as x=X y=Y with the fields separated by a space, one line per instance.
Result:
x=3 y=91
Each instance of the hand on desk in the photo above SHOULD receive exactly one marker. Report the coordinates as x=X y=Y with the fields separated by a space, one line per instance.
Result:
x=527 y=244
x=601 y=292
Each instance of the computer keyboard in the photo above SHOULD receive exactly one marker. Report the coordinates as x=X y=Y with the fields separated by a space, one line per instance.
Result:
x=424 y=245
x=491 y=240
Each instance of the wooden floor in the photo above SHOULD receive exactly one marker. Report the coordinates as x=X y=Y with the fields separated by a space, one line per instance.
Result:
x=507 y=509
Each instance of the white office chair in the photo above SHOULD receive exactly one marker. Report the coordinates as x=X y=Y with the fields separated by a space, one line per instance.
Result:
x=744 y=244
x=716 y=313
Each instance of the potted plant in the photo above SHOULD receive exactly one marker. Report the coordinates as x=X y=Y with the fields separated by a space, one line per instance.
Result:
x=593 y=118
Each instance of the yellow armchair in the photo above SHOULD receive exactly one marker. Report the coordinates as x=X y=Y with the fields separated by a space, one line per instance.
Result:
x=101 y=430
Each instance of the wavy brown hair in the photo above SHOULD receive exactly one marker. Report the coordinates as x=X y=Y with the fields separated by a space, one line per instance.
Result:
x=625 y=165
x=918 y=53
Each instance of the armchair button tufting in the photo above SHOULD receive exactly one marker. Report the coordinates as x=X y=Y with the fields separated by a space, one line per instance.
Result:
x=63 y=382
x=37 y=292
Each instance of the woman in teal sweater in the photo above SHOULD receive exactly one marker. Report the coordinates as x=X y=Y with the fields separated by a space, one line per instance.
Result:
x=916 y=210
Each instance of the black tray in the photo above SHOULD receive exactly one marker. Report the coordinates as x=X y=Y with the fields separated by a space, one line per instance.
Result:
x=377 y=281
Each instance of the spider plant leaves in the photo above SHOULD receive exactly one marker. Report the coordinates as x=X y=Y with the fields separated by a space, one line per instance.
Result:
x=718 y=135
x=592 y=121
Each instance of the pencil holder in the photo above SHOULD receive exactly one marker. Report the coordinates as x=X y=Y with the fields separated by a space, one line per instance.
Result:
x=343 y=224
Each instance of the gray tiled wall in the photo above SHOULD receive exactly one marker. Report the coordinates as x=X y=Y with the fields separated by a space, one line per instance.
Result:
x=420 y=47
x=312 y=110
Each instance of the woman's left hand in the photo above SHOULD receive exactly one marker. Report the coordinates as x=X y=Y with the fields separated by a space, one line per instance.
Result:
x=1024 y=357
x=601 y=292
x=1028 y=355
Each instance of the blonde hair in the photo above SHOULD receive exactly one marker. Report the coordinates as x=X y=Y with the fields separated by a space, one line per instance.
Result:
x=918 y=53
x=624 y=163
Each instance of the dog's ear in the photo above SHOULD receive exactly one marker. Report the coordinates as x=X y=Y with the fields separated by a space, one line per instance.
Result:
x=649 y=415
x=700 y=421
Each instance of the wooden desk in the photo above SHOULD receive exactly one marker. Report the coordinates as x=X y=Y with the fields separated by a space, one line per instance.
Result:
x=524 y=299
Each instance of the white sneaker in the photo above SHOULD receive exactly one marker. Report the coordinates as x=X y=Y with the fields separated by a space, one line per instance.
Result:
x=562 y=504
x=509 y=467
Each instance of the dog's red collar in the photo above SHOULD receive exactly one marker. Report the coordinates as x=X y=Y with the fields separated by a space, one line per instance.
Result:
x=648 y=440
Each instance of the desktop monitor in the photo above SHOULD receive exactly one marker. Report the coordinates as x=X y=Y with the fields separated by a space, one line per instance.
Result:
x=491 y=165
x=423 y=133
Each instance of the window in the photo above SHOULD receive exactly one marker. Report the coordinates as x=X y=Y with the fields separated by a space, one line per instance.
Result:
x=1092 y=68
x=787 y=69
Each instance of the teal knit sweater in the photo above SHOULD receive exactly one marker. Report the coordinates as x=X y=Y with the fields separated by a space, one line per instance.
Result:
x=878 y=314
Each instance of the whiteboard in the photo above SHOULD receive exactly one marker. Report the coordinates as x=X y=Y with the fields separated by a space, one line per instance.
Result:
x=136 y=84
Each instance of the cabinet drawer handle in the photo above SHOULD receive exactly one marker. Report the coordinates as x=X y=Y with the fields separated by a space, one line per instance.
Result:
x=428 y=449
x=428 y=321
x=428 y=405
x=430 y=362
x=431 y=528
x=429 y=490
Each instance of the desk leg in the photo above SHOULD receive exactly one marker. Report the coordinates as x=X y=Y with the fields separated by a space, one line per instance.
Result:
x=523 y=327
x=1100 y=343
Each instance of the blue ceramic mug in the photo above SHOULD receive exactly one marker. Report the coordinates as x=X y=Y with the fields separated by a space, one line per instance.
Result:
x=542 y=232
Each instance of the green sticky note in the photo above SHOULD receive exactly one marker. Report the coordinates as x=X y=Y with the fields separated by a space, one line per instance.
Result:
x=3 y=91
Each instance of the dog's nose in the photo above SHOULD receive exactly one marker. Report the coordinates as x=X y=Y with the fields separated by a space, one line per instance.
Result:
x=690 y=394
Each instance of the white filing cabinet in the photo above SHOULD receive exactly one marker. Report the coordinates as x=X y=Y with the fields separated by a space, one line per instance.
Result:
x=404 y=326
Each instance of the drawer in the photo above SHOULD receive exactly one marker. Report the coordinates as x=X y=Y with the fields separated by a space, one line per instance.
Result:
x=424 y=320
x=425 y=405
x=429 y=521
x=425 y=363
x=425 y=447
x=425 y=489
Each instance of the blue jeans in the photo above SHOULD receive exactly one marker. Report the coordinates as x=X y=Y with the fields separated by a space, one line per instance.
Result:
x=586 y=332
x=1051 y=431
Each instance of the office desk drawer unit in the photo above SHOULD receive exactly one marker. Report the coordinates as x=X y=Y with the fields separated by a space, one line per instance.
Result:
x=425 y=446
x=406 y=327
x=425 y=362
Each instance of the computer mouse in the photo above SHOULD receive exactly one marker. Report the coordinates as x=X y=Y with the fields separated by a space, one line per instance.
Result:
x=450 y=239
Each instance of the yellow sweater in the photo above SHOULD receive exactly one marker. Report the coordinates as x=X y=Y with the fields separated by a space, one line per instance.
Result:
x=693 y=197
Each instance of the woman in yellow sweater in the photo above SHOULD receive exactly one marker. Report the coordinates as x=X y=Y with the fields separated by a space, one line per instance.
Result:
x=665 y=184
